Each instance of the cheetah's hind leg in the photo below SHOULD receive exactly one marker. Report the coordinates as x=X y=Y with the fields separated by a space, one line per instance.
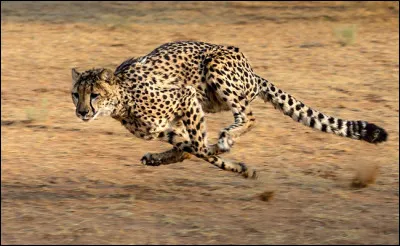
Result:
x=194 y=121
x=235 y=97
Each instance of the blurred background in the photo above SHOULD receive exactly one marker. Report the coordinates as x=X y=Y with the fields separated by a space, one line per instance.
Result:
x=68 y=182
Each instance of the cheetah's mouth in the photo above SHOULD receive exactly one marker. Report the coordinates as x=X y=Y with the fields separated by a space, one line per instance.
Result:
x=88 y=119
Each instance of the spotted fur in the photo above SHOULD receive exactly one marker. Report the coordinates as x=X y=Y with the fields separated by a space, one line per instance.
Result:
x=165 y=95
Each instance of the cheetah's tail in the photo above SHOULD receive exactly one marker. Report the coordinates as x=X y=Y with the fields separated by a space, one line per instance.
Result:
x=299 y=112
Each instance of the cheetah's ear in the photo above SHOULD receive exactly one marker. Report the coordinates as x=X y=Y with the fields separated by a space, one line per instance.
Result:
x=75 y=76
x=107 y=75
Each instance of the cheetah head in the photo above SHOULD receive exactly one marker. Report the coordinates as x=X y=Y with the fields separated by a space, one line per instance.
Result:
x=93 y=93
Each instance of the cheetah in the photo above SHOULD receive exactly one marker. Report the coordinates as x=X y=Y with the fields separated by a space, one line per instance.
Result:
x=165 y=94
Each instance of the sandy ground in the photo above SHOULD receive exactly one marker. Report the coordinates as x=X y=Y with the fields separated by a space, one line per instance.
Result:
x=68 y=182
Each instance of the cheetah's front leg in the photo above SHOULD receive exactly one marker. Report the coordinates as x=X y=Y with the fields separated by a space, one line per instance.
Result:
x=172 y=136
x=167 y=157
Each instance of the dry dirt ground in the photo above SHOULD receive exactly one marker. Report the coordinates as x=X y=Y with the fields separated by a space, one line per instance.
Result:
x=68 y=182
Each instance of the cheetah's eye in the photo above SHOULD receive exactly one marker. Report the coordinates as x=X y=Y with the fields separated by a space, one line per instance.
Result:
x=94 y=96
x=76 y=95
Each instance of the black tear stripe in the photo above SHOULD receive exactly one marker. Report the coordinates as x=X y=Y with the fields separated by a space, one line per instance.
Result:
x=94 y=112
x=90 y=102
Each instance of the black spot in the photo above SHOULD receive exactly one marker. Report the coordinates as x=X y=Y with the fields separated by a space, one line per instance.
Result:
x=290 y=113
x=323 y=128
x=272 y=88
x=283 y=97
x=223 y=165
x=312 y=122
x=348 y=124
x=331 y=120
x=340 y=124
x=207 y=60
x=309 y=112
x=187 y=149
x=290 y=102
x=171 y=136
x=300 y=117
x=298 y=107
x=320 y=116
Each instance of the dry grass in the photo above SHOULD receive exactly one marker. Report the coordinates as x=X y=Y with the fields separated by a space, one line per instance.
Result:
x=66 y=182
x=346 y=35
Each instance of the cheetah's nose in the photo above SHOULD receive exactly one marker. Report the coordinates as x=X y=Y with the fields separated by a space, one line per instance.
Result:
x=83 y=113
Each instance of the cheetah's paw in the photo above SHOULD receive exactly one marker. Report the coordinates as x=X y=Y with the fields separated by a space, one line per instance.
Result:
x=225 y=143
x=148 y=160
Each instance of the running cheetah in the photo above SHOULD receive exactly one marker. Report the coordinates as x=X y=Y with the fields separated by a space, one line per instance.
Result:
x=165 y=94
